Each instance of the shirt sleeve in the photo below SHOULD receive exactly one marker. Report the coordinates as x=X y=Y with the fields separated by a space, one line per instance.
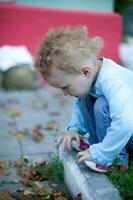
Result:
x=120 y=98
x=76 y=122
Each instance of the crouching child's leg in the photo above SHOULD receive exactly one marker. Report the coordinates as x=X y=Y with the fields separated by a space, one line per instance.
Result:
x=103 y=121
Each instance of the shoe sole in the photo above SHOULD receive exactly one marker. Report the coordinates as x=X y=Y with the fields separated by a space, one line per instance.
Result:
x=92 y=166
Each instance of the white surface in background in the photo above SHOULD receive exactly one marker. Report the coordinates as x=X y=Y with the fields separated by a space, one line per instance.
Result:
x=11 y=56
x=126 y=55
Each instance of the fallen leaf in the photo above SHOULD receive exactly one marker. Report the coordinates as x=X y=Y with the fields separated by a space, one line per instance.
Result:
x=38 y=184
x=59 y=196
x=19 y=133
x=17 y=180
x=26 y=177
x=32 y=176
x=6 y=172
x=53 y=126
x=36 y=127
x=5 y=195
x=54 y=113
x=36 y=133
x=2 y=105
x=12 y=100
x=39 y=105
x=4 y=167
x=13 y=113
x=18 y=164
x=37 y=136
x=12 y=123
x=27 y=192
x=5 y=164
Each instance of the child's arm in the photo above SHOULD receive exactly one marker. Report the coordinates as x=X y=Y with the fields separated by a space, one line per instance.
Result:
x=77 y=118
x=75 y=126
x=120 y=98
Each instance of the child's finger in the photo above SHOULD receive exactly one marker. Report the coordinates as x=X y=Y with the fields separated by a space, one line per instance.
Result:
x=59 y=139
x=77 y=139
x=81 y=153
x=68 y=144
x=63 y=144
x=82 y=158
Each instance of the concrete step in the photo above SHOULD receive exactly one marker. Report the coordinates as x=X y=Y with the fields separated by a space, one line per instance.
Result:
x=80 y=179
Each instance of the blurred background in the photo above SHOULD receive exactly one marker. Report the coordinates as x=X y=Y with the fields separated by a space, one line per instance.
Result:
x=33 y=114
x=25 y=22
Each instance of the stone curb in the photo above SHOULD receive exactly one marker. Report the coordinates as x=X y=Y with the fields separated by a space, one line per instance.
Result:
x=91 y=185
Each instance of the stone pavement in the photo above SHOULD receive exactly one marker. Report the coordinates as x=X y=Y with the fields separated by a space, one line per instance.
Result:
x=39 y=108
x=30 y=105
x=36 y=108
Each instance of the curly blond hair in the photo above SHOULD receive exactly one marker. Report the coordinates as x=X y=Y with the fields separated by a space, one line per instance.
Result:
x=66 y=48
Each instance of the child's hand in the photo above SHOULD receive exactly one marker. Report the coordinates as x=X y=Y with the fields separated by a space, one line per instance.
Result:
x=83 y=155
x=65 y=140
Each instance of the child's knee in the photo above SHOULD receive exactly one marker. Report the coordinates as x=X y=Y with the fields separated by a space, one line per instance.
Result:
x=101 y=106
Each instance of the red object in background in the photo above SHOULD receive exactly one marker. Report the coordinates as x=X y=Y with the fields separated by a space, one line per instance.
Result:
x=25 y=25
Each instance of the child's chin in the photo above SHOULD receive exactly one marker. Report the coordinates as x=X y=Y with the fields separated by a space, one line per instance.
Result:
x=80 y=95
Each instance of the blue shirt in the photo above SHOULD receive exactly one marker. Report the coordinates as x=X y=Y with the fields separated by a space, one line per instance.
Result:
x=116 y=84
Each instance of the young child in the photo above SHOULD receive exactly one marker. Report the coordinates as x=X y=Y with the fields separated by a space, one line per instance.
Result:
x=102 y=91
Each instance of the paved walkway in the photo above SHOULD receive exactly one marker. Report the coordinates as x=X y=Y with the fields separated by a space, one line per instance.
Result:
x=47 y=108
x=24 y=110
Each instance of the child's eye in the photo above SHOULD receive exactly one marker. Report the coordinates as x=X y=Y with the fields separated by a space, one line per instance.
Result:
x=64 y=88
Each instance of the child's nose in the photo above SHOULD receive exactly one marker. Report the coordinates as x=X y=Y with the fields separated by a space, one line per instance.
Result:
x=65 y=92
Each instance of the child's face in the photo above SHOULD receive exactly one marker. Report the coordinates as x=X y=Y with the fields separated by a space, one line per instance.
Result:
x=70 y=84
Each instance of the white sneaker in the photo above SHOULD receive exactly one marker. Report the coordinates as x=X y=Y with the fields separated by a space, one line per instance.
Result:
x=105 y=168
x=96 y=167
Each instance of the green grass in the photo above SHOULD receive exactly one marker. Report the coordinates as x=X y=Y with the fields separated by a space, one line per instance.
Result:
x=51 y=171
x=123 y=181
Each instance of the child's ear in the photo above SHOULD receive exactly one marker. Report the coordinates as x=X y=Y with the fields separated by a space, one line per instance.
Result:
x=97 y=44
x=86 y=71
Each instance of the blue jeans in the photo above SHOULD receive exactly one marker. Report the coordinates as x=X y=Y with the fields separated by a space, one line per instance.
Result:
x=99 y=109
